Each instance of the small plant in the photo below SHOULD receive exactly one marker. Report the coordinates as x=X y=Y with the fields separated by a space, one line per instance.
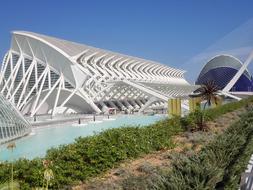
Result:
x=197 y=120
x=120 y=172
x=48 y=174
x=146 y=167
x=6 y=186
x=11 y=146
x=200 y=137
x=175 y=121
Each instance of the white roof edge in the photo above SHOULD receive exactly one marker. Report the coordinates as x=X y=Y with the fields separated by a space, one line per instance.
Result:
x=33 y=35
x=42 y=40
x=218 y=55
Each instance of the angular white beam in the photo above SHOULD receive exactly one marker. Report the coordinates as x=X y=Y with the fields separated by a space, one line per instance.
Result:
x=45 y=98
x=238 y=74
x=57 y=95
x=99 y=72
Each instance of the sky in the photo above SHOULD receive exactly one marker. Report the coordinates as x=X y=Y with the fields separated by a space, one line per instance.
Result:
x=172 y=32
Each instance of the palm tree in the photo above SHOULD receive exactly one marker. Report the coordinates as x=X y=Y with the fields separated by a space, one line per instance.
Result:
x=11 y=146
x=208 y=92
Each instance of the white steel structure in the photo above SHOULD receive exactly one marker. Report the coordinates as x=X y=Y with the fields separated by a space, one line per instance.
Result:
x=46 y=75
x=12 y=123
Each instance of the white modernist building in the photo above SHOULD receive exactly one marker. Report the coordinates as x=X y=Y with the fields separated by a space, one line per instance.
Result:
x=46 y=75
x=12 y=123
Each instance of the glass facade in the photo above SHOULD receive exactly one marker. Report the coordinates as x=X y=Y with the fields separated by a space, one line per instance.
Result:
x=12 y=123
x=221 y=69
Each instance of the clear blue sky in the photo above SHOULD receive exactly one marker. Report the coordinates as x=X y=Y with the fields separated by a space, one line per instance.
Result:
x=168 y=31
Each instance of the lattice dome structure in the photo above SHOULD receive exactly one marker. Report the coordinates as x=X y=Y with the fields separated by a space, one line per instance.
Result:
x=46 y=75
x=12 y=123
x=221 y=69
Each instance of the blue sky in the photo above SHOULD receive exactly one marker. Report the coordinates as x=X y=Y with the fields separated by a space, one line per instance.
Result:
x=168 y=31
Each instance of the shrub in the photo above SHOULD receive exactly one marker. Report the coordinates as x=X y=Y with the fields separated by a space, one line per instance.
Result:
x=197 y=120
x=232 y=176
x=218 y=164
x=146 y=167
x=220 y=110
x=90 y=156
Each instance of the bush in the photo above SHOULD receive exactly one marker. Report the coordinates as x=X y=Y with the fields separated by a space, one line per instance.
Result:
x=197 y=120
x=213 y=113
x=219 y=164
x=233 y=174
x=90 y=156
x=146 y=167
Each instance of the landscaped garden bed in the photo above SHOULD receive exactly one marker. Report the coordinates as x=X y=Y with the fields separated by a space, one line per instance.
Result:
x=92 y=156
x=130 y=175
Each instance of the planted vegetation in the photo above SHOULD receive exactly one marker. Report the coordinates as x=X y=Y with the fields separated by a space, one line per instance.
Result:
x=216 y=165
x=220 y=110
x=91 y=156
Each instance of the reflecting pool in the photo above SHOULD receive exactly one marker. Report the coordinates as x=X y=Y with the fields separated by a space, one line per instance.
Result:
x=41 y=139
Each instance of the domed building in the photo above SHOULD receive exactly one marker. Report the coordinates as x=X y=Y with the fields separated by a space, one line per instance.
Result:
x=221 y=69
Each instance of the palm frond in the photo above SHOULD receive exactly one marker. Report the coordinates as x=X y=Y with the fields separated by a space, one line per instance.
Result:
x=208 y=92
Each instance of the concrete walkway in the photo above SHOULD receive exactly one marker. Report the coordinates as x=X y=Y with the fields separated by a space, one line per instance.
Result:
x=82 y=118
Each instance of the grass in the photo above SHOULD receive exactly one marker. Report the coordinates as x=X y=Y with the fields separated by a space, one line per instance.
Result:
x=7 y=186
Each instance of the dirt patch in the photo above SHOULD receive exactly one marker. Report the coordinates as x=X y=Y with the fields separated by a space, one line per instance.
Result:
x=186 y=142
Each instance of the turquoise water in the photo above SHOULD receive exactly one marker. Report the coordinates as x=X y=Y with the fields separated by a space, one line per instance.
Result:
x=37 y=144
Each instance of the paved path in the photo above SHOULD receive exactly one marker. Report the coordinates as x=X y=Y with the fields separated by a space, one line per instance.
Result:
x=84 y=118
x=247 y=176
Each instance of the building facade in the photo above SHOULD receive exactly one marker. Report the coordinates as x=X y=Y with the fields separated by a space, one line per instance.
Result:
x=46 y=75
x=12 y=123
x=221 y=69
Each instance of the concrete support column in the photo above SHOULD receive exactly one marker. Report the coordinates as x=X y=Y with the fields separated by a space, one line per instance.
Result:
x=174 y=106
x=194 y=103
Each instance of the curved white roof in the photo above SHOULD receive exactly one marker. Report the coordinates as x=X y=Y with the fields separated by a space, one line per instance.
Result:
x=81 y=77
x=72 y=49
x=223 y=61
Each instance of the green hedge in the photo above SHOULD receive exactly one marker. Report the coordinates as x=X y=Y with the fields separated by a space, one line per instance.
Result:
x=197 y=120
x=90 y=156
x=229 y=107
x=219 y=164
x=233 y=174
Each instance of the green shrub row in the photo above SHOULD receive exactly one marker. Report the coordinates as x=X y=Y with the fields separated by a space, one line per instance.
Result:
x=197 y=120
x=92 y=155
x=229 y=107
x=233 y=174
x=158 y=179
x=219 y=164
